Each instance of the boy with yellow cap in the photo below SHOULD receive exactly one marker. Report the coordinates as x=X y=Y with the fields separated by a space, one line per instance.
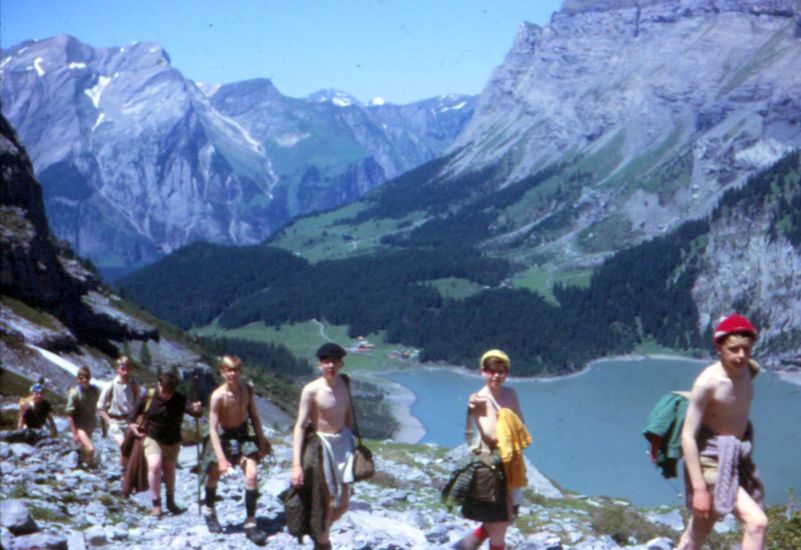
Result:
x=495 y=409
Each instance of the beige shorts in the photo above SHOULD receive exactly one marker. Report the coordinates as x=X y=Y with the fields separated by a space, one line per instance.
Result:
x=116 y=430
x=709 y=467
x=169 y=453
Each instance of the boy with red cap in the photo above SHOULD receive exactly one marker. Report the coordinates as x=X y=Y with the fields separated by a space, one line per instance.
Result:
x=720 y=475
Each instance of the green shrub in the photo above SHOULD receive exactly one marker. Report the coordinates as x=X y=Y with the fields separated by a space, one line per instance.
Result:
x=624 y=523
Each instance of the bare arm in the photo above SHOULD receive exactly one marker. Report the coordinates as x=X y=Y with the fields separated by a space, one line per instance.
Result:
x=304 y=414
x=20 y=418
x=700 y=397
x=104 y=402
x=214 y=434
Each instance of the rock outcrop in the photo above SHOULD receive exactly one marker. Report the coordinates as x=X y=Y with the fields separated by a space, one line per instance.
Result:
x=655 y=108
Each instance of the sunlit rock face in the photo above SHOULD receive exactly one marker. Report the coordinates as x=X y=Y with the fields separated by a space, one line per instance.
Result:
x=662 y=105
x=136 y=160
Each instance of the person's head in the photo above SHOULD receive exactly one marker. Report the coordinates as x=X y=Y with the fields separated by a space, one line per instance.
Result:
x=494 y=366
x=330 y=359
x=230 y=368
x=124 y=367
x=167 y=384
x=84 y=376
x=734 y=340
x=37 y=392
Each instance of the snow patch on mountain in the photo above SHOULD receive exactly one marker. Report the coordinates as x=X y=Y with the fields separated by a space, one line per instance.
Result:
x=37 y=65
x=96 y=91
x=290 y=140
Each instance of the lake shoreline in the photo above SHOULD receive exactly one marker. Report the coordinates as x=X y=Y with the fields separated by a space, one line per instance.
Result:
x=411 y=430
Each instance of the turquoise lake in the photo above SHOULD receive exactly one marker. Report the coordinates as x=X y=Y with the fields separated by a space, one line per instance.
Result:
x=587 y=428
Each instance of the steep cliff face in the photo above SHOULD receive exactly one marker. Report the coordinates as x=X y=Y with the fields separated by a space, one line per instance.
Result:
x=132 y=158
x=136 y=160
x=49 y=302
x=659 y=105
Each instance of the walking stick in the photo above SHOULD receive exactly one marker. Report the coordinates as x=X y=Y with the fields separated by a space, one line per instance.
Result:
x=197 y=440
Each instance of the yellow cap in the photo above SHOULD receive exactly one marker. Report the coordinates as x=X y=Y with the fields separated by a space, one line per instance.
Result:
x=497 y=354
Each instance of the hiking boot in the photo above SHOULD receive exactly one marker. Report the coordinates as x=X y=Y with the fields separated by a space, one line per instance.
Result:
x=254 y=534
x=175 y=509
x=212 y=523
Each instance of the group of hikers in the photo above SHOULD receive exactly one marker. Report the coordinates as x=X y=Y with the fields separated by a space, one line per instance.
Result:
x=715 y=439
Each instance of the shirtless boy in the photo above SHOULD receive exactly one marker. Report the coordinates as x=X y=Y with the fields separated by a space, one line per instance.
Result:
x=717 y=426
x=325 y=406
x=485 y=405
x=231 y=405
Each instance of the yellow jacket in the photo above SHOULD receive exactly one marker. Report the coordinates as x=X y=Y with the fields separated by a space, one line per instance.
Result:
x=513 y=437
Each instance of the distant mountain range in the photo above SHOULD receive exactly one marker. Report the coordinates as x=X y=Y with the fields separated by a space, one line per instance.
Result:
x=617 y=123
x=136 y=160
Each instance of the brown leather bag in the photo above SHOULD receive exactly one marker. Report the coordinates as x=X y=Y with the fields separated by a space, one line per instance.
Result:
x=363 y=463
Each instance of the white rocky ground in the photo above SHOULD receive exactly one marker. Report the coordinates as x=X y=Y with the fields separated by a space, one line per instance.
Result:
x=47 y=502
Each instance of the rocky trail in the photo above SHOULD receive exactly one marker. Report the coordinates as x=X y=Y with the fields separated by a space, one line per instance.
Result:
x=49 y=502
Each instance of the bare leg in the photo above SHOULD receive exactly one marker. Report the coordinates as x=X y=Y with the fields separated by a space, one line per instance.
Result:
x=251 y=469
x=154 y=480
x=86 y=445
x=753 y=520
x=697 y=531
x=497 y=532
x=340 y=510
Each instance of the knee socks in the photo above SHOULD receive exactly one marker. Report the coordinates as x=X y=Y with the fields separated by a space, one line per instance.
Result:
x=251 y=496
x=481 y=533
x=211 y=496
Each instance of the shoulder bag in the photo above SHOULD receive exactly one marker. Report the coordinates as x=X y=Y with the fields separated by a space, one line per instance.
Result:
x=363 y=464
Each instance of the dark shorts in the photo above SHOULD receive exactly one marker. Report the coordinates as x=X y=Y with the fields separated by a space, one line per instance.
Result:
x=490 y=512
x=236 y=444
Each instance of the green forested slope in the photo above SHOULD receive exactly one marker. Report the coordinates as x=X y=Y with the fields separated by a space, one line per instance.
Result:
x=640 y=293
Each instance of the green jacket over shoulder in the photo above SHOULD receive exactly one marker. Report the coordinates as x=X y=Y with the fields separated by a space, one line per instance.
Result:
x=663 y=431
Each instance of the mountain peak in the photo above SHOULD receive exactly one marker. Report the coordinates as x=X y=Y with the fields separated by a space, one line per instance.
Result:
x=336 y=97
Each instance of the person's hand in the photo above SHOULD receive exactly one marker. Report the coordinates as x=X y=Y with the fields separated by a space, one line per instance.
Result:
x=135 y=430
x=476 y=403
x=224 y=466
x=702 y=503
x=297 y=475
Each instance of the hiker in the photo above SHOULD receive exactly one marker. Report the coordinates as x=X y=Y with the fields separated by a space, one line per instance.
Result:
x=231 y=405
x=720 y=475
x=81 y=413
x=162 y=437
x=116 y=402
x=496 y=411
x=322 y=445
x=35 y=411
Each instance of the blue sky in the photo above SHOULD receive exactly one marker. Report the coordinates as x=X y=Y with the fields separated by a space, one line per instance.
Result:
x=401 y=50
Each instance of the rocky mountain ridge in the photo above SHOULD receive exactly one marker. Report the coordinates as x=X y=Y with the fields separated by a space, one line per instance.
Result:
x=654 y=109
x=136 y=160
x=52 y=308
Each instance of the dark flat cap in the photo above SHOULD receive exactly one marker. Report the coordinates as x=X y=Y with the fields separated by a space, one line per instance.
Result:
x=330 y=349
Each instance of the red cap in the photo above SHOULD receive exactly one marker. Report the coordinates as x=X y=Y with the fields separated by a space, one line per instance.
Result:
x=734 y=324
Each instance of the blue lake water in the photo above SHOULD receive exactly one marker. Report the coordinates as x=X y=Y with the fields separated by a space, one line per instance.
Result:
x=587 y=428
